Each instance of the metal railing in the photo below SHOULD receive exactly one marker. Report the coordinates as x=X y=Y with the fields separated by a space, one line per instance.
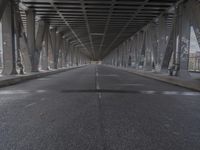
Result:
x=194 y=64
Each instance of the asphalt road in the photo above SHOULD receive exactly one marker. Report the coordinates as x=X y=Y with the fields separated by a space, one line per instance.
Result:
x=98 y=108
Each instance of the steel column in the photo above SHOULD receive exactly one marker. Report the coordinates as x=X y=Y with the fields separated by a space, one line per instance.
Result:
x=31 y=40
x=184 y=40
x=45 y=52
x=8 y=35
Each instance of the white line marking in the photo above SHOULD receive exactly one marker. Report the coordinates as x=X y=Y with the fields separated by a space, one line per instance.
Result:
x=29 y=105
x=42 y=99
x=100 y=95
x=97 y=80
x=130 y=84
x=110 y=75
x=98 y=87
x=97 y=74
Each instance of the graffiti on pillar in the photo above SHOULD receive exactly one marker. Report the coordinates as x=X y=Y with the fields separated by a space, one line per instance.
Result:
x=184 y=49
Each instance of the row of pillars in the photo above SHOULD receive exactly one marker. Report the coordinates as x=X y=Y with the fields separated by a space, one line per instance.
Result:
x=33 y=47
x=161 y=46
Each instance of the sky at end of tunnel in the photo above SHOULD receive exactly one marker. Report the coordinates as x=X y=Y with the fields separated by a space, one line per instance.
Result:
x=194 y=47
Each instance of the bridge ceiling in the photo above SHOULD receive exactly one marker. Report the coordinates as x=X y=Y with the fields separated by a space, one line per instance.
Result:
x=99 y=25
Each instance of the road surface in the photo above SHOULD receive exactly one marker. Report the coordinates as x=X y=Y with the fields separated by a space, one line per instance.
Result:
x=98 y=108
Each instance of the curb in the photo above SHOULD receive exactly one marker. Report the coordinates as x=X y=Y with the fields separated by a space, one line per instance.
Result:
x=24 y=78
x=170 y=80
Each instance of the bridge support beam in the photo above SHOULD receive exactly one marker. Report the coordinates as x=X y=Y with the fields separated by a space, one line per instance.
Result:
x=55 y=39
x=163 y=42
x=23 y=59
x=8 y=35
x=3 y=5
x=148 y=50
x=31 y=41
x=184 y=25
x=171 y=47
x=195 y=20
x=71 y=61
x=45 y=52
x=66 y=53
x=61 y=53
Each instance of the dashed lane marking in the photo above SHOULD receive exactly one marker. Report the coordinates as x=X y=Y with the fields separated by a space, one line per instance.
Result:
x=30 y=105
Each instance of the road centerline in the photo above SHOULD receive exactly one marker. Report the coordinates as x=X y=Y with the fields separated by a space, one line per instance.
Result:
x=101 y=113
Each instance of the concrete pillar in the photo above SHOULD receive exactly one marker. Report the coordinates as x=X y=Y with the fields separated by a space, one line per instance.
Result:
x=71 y=55
x=162 y=33
x=122 y=55
x=45 y=52
x=8 y=35
x=41 y=45
x=42 y=29
x=53 y=43
x=55 y=36
x=25 y=53
x=130 y=54
x=61 y=54
x=171 y=47
x=3 y=5
x=31 y=41
x=195 y=19
x=184 y=40
x=113 y=58
x=74 y=56
x=126 y=53
x=22 y=43
x=140 y=48
x=57 y=50
x=77 y=56
x=143 y=48
x=50 y=49
x=18 y=46
x=40 y=51
x=67 y=58
x=154 y=40
x=65 y=52
x=134 y=51
x=118 y=57
x=148 y=50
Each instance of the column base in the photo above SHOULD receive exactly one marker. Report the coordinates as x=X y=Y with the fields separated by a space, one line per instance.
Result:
x=183 y=74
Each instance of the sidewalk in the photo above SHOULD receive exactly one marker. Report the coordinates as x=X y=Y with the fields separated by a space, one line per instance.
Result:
x=193 y=83
x=15 y=79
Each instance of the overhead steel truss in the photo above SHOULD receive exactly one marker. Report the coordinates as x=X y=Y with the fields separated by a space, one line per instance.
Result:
x=99 y=26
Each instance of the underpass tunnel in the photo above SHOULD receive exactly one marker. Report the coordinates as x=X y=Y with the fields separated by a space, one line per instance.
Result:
x=99 y=75
x=148 y=35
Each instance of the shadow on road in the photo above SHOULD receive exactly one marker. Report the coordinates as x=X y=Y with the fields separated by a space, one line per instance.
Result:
x=131 y=92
